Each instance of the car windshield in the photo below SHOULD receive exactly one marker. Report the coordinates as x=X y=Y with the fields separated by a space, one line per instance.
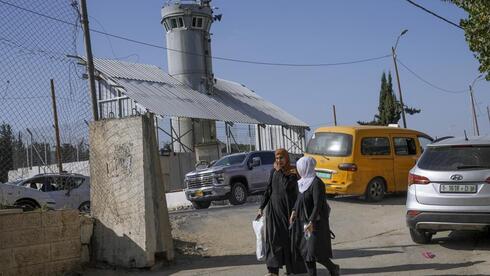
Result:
x=330 y=144
x=450 y=158
x=230 y=160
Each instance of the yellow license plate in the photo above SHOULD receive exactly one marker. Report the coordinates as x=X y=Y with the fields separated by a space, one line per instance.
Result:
x=198 y=194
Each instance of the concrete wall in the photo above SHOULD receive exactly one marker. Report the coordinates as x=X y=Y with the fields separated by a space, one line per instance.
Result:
x=127 y=193
x=43 y=243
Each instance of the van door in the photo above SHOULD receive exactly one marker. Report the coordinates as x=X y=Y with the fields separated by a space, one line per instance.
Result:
x=376 y=160
x=404 y=159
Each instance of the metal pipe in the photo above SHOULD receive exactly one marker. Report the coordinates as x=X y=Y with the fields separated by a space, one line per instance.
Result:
x=474 y=113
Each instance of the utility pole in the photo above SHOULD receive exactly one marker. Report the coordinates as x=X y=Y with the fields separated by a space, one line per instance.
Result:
x=90 y=59
x=474 y=112
x=56 y=129
x=334 y=116
x=399 y=87
x=488 y=113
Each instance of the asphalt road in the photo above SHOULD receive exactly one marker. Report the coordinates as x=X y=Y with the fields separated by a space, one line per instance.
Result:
x=372 y=239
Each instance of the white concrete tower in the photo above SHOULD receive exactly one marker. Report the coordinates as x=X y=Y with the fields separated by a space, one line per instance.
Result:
x=187 y=25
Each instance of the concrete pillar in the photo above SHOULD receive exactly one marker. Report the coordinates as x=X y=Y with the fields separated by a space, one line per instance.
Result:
x=127 y=194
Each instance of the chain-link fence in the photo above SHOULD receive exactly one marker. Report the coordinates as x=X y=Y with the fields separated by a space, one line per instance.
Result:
x=37 y=40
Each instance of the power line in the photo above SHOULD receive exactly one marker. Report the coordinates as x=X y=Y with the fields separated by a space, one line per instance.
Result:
x=429 y=83
x=196 y=54
x=434 y=14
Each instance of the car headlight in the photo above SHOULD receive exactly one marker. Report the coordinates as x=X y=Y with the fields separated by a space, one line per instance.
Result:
x=219 y=178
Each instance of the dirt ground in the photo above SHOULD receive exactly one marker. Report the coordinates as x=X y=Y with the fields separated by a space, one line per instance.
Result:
x=372 y=239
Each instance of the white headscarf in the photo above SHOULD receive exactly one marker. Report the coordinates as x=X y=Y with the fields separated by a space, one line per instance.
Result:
x=306 y=169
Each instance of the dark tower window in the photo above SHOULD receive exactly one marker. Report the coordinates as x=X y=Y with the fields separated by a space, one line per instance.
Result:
x=197 y=22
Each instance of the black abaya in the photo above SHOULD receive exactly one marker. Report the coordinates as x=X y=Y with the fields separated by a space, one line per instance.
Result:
x=279 y=198
x=311 y=206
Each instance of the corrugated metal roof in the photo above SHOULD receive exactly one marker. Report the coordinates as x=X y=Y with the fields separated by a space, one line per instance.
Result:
x=164 y=95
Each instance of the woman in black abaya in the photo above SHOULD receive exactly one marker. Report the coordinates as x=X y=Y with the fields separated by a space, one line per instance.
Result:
x=312 y=236
x=279 y=198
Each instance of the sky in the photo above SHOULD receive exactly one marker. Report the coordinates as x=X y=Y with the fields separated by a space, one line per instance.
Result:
x=322 y=31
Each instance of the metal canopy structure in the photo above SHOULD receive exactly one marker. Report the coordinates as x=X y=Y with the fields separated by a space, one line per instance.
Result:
x=162 y=94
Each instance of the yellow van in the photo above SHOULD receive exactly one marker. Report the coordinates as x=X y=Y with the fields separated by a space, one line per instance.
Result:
x=365 y=160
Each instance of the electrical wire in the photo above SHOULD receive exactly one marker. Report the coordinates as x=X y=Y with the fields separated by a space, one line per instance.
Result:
x=429 y=83
x=196 y=54
x=434 y=14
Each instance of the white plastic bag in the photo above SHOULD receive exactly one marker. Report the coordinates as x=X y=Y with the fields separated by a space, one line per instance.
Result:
x=258 y=226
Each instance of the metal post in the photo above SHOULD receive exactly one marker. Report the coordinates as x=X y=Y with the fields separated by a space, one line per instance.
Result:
x=474 y=112
x=399 y=88
x=56 y=128
x=259 y=138
x=29 y=149
x=90 y=58
x=250 y=137
x=488 y=113
x=46 y=154
x=334 y=116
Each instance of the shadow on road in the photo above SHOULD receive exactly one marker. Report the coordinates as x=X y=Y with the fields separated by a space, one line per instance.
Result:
x=407 y=267
x=196 y=262
x=465 y=240
x=357 y=253
x=391 y=199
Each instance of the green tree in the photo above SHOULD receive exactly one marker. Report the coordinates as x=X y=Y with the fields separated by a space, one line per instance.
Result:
x=477 y=30
x=6 y=151
x=389 y=108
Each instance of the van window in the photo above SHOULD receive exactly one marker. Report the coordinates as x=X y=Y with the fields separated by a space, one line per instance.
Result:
x=330 y=144
x=405 y=146
x=375 y=146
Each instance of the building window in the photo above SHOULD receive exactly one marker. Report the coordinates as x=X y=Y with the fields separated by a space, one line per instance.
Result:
x=197 y=22
x=375 y=146
x=165 y=24
x=173 y=23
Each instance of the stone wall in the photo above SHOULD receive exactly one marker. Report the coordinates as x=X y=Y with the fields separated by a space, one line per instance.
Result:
x=43 y=243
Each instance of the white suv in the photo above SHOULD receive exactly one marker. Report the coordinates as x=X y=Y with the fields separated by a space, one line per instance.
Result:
x=56 y=191
x=449 y=188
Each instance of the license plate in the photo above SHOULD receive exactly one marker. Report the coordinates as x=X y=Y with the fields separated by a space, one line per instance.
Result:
x=198 y=194
x=324 y=175
x=458 y=188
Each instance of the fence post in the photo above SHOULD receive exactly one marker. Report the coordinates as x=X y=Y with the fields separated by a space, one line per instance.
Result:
x=56 y=128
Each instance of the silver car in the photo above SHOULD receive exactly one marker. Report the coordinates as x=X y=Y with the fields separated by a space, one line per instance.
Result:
x=55 y=191
x=449 y=188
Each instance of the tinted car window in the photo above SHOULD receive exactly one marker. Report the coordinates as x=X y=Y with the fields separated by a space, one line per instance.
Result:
x=267 y=158
x=230 y=160
x=452 y=158
x=405 y=146
x=330 y=144
x=375 y=146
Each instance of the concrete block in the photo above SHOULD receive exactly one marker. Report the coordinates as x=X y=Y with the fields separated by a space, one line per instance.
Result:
x=31 y=255
x=11 y=221
x=85 y=254
x=31 y=270
x=6 y=260
x=65 y=250
x=86 y=229
x=62 y=267
x=51 y=218
x=31 y=219
x=11 y=239
x=61 y=233
x=70 y=216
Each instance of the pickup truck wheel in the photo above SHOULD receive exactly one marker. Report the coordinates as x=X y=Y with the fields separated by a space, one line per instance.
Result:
x=238 y=194
x=201 y=204
x=420 y=237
